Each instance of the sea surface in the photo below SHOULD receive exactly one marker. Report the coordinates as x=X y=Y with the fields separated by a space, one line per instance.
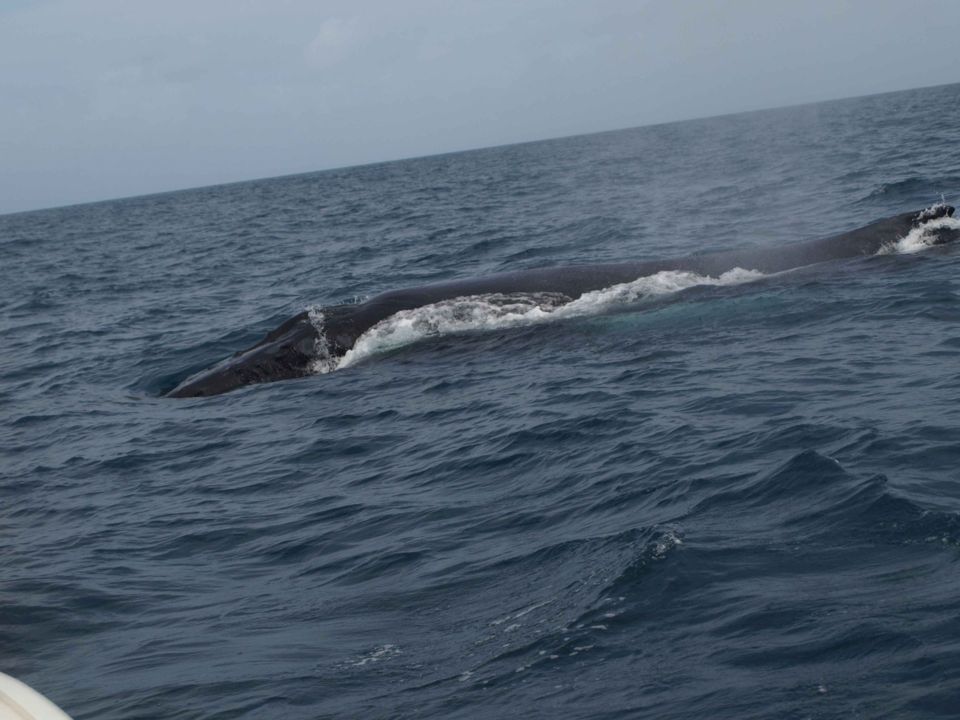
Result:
x=730 y=498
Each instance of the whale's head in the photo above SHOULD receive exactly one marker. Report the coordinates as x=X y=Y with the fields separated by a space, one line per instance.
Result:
x=283 y=354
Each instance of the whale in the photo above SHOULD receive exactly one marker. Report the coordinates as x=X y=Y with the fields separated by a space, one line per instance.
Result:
x=290 y=350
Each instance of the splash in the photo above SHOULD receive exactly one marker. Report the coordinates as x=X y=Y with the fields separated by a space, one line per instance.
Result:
x=662 y=283
x=494 y=312
x=923 y=236
x=324 y=361
x=476 y=312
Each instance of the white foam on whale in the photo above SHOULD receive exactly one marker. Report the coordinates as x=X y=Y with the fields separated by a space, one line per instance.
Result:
x=499 y=311
x=921 y=237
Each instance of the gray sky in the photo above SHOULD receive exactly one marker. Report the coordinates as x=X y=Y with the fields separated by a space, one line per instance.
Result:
x=109 y=98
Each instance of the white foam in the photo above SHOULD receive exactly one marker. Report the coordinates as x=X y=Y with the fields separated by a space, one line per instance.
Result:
x=923 y=235
x=477 y=312
x=382 y=652
x=662 y=283
x=492 y=312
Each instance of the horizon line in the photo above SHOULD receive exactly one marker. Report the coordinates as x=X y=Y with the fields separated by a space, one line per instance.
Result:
x=387 y=161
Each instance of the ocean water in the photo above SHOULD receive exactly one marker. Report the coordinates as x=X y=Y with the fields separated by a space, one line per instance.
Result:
x=728 y=499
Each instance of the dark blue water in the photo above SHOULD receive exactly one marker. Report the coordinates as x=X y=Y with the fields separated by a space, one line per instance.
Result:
x=731 y=501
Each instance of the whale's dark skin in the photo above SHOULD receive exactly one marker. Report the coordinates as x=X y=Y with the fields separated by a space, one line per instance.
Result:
x=288 y=351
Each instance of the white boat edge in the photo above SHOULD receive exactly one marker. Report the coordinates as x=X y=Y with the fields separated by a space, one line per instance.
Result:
x=19 y=701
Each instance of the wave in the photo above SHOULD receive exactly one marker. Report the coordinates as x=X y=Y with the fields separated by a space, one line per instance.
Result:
x=812 y=496
x=910 y=188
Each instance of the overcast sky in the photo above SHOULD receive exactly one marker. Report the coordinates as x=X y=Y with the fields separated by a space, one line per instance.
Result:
x=109 y=98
